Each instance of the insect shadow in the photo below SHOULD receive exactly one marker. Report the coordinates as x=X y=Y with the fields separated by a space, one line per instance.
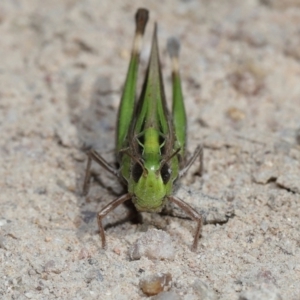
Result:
x=95 y=126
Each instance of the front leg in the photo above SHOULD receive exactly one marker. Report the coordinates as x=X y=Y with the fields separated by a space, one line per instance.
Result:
x=190 y=211
x=107 y=209
x=94 y=155
x=198 y=152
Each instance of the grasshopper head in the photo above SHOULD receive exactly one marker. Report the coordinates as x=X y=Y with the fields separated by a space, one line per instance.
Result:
x=150 y=187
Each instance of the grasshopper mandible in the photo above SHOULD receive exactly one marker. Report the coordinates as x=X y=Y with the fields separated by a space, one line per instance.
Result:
x=150 y=143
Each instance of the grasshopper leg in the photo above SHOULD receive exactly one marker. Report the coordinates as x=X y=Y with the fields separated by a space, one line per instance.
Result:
x=193 y=214
x=86 y=183
x=95 y=156
x=198 y=153
x=107 y=209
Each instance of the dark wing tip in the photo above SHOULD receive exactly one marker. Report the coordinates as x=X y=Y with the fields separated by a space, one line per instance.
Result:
x=141 y=19
x=173 y=47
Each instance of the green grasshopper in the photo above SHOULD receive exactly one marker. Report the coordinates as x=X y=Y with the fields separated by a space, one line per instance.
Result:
x=150 y=143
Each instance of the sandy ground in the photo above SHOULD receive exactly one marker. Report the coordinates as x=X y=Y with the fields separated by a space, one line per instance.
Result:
x=63 y=64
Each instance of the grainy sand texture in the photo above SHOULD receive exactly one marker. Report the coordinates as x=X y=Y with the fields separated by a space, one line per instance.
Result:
x=63 y=65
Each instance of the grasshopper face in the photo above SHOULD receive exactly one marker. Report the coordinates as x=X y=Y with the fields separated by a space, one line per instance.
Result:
x=150 y=143
x=150 y=191
x=151 y=176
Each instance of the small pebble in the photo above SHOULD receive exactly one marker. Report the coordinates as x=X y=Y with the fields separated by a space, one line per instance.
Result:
x=265 y=172
x=50 y=267
x=69 y=248
x=3 y=222
x=46 y=291
x=93 y=274
x=266 y=276
x=84 y=253
x=31 y=272
x=93 y=261
x=117 y=250
x=154 y=244
x=264 y=226
x=235 y=114
x=260 y=294
x=28 y=295
x=203 y=290
x=152 y=285
x=290 y=181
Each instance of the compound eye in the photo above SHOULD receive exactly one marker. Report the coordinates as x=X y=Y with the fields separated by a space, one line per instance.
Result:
x=137 y=172
x=165 y=173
